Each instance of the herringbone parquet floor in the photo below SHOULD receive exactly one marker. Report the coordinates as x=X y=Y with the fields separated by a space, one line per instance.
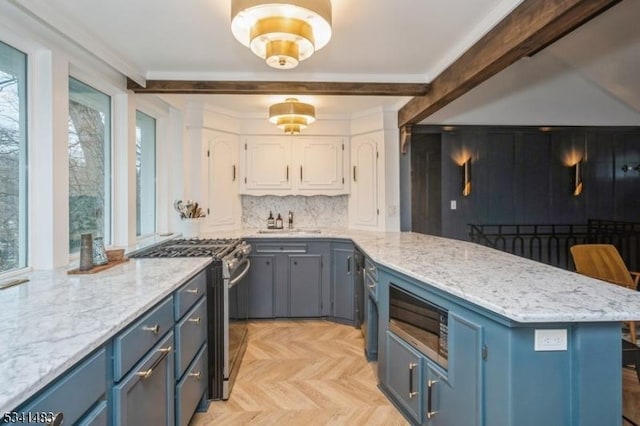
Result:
x=303 y=373
x=631 y=396
x=314 y=373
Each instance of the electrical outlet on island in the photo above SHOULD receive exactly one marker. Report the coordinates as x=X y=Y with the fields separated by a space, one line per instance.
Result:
x=550 y=340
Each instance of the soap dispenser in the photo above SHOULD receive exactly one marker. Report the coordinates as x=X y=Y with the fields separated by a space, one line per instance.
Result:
x=279 y=222
x=270 y=221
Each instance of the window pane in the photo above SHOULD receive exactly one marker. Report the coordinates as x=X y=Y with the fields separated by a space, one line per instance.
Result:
x=13 y=158
x=89 y=164
x=145 y=174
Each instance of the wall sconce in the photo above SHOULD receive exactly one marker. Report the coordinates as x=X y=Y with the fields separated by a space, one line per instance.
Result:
x=626 y=168
x=466 y=178
x=576 y=172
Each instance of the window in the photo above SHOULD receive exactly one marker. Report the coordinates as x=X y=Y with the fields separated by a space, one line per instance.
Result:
x=89 y=164
x=145 y=174
x=13 y=158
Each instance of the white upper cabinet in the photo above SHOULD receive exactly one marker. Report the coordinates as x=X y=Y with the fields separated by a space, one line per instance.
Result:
x=267 y=164
x=319 y=164
x=363 y=203
x=285 y=165
x=223 y=201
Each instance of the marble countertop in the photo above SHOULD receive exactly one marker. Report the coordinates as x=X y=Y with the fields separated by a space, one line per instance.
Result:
x=54 y=320
x=519 y=289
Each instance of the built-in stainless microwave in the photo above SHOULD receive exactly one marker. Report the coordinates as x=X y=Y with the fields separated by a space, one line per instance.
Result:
x=422 y=324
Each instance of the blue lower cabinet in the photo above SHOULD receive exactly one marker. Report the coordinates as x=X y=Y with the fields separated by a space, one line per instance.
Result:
x=146 y=395
x=452 y=396
x=404 y=377
x=70 y=397
x=343 y=284
x=191 y=388
x=97 y=417
x=191 y=333
x=131 y=344
x=305 y=285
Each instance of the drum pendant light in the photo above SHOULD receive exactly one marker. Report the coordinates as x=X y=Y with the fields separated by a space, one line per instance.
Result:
x=283 y=32
x=291 y=115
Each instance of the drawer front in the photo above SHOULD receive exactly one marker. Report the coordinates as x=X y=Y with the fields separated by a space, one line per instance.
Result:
x=191 y=333
x=97 y=417
x=137 y=339
x=190 y=389
x=190 y=293
x=371 y=269
x=75 y=393
x=145 y=395
x=371 y=286
x=281 y=248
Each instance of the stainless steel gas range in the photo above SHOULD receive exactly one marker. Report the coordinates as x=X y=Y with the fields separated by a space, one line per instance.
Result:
x=227 y=298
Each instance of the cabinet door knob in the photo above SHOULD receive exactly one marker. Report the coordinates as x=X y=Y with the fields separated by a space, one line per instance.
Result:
x=295 y=262
x=154 y=329
x=268 y=263
x=196 y=375
x=193 y=291
x=194 y=320
x=57 y=420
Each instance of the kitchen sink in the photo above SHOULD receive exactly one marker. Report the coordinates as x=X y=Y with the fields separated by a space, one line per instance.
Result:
x=290 y=231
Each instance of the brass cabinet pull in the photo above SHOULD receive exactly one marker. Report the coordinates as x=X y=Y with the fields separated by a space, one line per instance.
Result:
x=147 y=373
x=287 y=173
x=57 y=420
x=233 y=178
x=430 y=385
x=348 y=264
x=300 y=173
x=155 y=329
x=193 y=291
x=354 y=174
x=194 y=320
x=412 y=393
x=196 y=375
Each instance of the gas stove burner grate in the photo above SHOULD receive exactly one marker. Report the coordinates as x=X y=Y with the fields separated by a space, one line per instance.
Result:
x=203 y=242
x=216 y=248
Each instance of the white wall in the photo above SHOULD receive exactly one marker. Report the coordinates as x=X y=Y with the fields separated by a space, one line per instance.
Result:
x=588 y=78
x=538 y=91
x=51 y=60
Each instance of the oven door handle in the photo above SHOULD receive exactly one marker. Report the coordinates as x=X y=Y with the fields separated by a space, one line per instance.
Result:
x=235 y=281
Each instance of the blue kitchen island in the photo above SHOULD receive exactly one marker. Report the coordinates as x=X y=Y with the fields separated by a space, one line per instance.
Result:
x=526 y=343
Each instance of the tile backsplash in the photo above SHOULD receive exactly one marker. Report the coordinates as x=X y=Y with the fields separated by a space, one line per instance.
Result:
x=318 y=211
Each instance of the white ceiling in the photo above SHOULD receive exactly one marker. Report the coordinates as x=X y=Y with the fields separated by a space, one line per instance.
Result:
x=373 y=41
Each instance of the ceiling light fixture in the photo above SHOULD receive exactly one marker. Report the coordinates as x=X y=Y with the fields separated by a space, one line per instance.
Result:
x=283 y=32
x=291 y=115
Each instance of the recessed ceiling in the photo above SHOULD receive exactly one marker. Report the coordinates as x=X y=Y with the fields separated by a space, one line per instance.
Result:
x=373 y=41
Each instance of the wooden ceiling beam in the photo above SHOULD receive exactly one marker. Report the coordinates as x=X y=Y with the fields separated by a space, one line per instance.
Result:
x=528 y=28
x=279 y=88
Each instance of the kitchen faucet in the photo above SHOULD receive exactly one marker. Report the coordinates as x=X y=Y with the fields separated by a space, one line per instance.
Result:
x=290 y=219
